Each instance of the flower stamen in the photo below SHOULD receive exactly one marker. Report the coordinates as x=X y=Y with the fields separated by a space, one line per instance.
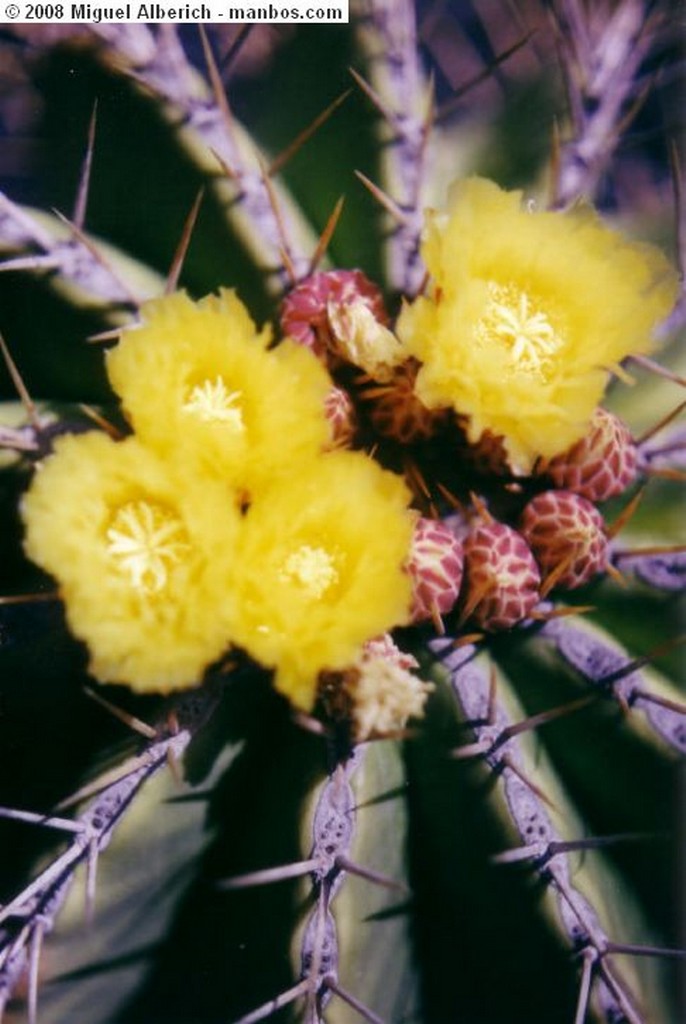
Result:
x=511 y=317
x=212 y=402
x=144 y=541
x=311 y=568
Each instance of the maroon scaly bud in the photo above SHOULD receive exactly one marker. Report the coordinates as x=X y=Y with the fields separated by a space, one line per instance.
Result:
x=567 y=536
x=599 y=466
x=435 y=566
x=305 y=310
x=502 y=577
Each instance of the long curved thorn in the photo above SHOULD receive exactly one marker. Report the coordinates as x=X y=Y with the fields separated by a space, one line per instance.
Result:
x=226 y=168
x=352 y=1000
x=625 y=515
x=507 y=762
x=98 y=256
x=91 y=879
x=543 y=852
x=283 y=999
x=542 y=718
x=475 y=597
x=81 y=202
x=679 y=206
x=561 y=612
x=447 y=108
x=142 y=728
x=326 y=236
x=644 y=659
x=383 y=199
x=634 y=950
x=45 y=820
x=269 y=875
x=108 y=778
x=653 y=549
x=20 y=387
x=29 y=598
x=182 y=248
x=104 y=424
x=111 y=334
x=345 y=864
x=285 y=249
x=660 y=425
x=557 y=573
x=35 y=947
x=589 y=960
x=555 y=163
x=47 y=262
x=282 y=158
x=655 y=698
x=384 y=109
x=658 y=369
x=218 y=89
x=235 y=47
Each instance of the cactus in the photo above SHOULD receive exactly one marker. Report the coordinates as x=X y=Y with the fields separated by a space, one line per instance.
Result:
x=454 y=795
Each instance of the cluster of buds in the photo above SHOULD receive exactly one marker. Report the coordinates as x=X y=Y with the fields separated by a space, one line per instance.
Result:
x=492 y=573
x=340 y=315
x=497 y=573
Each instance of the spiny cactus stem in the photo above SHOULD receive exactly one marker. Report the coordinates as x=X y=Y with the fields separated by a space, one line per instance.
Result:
x=527 y=811
x=600 y=66
x=77 y=259
x=333 y=828
x=39 y=903
x=19 y=228
x=18 y=439
x=400 y=92
x=165 y=71
x=610 y=668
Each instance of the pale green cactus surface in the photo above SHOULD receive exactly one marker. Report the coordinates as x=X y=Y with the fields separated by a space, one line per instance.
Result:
x=502 y=842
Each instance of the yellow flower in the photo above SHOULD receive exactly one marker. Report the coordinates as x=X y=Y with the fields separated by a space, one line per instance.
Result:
x=527 y=311
x=321 y=568
x=141 y=557
x=198 y=383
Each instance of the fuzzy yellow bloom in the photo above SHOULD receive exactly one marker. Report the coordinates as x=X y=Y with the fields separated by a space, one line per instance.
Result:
x=198 y=383
x=321 y=568
x=142 y=559
x=526 y=313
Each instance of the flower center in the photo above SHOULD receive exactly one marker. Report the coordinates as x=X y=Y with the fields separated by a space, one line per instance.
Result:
x=144 y=541
x=212 y=402
x=512 y=319
x=312 y=569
